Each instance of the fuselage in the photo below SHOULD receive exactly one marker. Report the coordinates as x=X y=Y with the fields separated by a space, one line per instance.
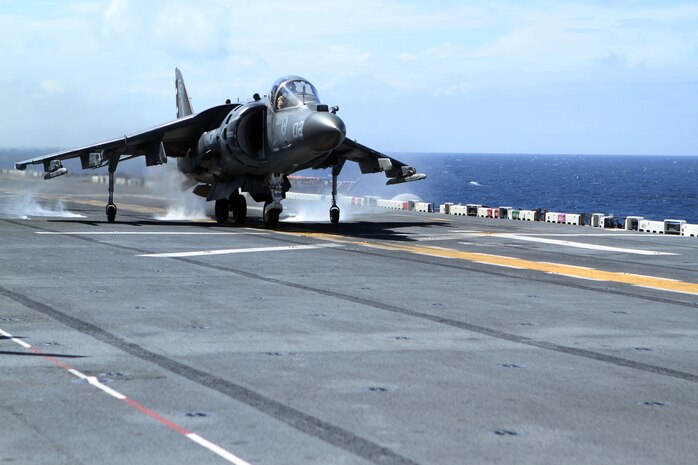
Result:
x=278 y=134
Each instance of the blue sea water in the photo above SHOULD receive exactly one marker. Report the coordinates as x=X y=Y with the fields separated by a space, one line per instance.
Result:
x=656 y=187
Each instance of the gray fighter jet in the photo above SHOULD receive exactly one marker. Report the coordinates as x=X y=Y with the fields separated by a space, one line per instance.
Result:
x=234 y=148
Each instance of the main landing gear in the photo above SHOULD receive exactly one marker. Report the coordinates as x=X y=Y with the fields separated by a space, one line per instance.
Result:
x=236 y=204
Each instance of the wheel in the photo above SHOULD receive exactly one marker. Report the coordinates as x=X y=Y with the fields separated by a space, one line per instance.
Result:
x=271 y=216
x=238 y=205
x=222 y=211
x=111 y=212
x=334 y=214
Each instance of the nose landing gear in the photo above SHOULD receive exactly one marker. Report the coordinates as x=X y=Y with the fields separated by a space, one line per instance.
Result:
x=334 y=209
x=273 y=207
x=271 y=215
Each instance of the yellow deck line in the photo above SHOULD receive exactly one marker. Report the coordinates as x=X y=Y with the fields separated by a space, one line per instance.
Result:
x=651 y=282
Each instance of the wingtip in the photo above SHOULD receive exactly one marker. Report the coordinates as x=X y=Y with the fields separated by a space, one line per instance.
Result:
x=20 y=166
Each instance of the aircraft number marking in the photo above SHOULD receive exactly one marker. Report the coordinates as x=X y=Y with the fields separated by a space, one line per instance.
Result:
x=298 y=129
x=284 y=125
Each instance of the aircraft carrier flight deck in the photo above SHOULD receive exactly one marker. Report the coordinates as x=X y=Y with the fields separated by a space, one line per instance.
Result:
x=390 y=338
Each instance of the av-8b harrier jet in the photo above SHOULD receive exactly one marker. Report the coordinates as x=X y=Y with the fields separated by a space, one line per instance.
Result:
x=235 y=148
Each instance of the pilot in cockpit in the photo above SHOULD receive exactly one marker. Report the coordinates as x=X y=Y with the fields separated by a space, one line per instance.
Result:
x=285 y=97
x=289 y=95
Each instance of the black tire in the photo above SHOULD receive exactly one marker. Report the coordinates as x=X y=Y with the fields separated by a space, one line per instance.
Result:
x=222 y=211
x=111 y=212
x=238 y=205
x=271 y=216
x=334 y=214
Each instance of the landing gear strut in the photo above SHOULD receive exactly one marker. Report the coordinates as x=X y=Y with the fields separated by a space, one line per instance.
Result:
x=111 y=208
x=334 y=209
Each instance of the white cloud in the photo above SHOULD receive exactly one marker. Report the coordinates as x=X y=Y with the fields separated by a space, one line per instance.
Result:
x=575 y=36
x=51 y=86
x=455 y=89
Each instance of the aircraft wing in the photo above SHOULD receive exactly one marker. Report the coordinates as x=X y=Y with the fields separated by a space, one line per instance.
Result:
x=371 y=161
x=170 y=139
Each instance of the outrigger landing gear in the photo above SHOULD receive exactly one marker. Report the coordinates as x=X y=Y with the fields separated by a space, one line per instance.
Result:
x=273 y=208
x=111 y=212
x=334 y=214
x=111 y=208
x=334 y=209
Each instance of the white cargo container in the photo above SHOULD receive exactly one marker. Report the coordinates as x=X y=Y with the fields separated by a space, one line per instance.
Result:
x=673 y=226
x=632 y=223
x=656 y=227
x=423 y=207
x=460 y=210
x=445 y=208
x=689 y=230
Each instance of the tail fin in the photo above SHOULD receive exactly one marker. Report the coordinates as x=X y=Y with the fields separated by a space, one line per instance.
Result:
x=183 y=102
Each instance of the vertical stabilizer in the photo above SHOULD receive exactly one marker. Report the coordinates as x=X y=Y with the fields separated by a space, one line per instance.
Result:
x=183 y=103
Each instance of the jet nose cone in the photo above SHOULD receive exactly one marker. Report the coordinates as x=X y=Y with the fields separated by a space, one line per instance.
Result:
x=324 y=131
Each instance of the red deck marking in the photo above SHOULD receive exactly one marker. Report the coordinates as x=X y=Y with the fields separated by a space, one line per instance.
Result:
x=223 y=453
x=156 y=416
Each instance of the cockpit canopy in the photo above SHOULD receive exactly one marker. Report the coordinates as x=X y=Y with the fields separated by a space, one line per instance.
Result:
x=292 y=91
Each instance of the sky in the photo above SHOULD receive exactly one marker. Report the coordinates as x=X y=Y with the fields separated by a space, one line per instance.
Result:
x=577 y=77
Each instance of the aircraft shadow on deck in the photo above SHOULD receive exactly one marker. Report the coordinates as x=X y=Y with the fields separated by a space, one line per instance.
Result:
x=389 y=231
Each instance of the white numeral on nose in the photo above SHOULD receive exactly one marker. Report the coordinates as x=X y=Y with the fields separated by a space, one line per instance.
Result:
x=298 y=129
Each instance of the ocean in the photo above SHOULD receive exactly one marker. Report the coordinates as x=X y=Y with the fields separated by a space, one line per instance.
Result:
x=656 y=187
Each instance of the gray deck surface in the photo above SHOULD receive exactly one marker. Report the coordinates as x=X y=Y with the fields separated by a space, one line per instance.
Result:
x=392 y=339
